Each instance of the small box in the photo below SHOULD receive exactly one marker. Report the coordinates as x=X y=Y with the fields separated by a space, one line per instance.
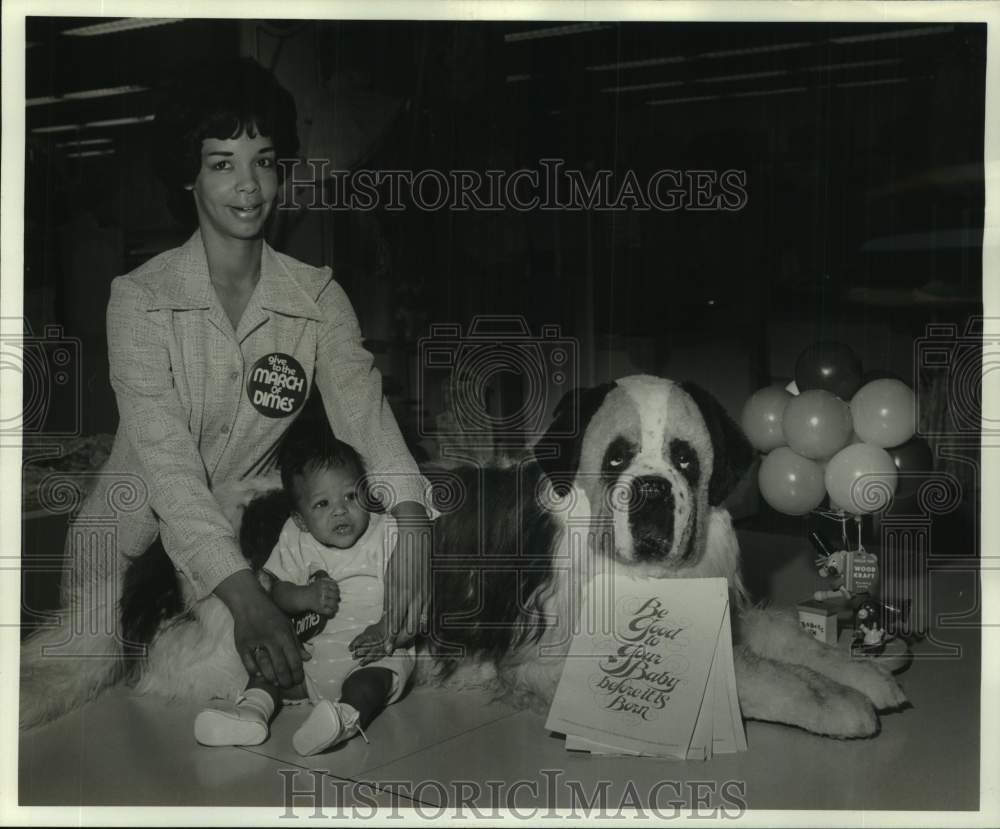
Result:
x=819 y=619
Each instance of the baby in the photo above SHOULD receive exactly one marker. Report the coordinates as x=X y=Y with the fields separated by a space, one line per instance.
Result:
x=330 y=559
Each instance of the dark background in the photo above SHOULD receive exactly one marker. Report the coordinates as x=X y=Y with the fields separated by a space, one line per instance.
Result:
x=862 y=144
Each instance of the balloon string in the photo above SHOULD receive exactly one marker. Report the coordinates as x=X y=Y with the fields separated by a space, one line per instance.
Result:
x=842 y=517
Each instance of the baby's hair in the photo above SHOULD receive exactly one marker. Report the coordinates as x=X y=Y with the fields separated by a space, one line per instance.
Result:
x=310 y=445
x=217 y=100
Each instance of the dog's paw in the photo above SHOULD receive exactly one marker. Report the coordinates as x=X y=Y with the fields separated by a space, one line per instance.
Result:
x=795 y=695
x=841 y=712
x=875 y=682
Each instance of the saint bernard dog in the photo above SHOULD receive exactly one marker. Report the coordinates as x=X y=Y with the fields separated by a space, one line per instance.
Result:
x=638 y=486
x=631 y=475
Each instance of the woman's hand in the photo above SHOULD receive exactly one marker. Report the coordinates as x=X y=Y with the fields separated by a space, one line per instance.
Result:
x=324 y=596
x=264 y=636
x=408 y=575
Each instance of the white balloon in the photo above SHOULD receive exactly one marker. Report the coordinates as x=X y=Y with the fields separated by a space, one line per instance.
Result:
x=861 y=478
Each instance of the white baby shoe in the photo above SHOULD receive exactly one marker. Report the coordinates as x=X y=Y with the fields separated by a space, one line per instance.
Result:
x=329 y=723
x=240 y=723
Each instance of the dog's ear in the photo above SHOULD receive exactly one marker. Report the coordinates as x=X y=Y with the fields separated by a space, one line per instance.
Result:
x=733 y=452
x=558 y=452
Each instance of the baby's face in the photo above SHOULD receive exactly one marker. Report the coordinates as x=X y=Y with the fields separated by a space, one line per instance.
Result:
x=328 y=507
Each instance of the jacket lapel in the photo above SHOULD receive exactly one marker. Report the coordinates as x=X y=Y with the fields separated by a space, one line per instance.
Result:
x=189 y=288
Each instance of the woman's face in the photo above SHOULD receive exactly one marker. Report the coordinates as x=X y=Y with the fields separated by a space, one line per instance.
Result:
x=236 y=186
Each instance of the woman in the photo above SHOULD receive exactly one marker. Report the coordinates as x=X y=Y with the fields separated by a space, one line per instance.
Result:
x=213 y=348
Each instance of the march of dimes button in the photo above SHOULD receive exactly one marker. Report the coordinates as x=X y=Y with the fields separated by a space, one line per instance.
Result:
x=277 y=385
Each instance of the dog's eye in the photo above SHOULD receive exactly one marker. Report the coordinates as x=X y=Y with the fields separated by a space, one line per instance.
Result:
x=618 y=456
x=683 y=456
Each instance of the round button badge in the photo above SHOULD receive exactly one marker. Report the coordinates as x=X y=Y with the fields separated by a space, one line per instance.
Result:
x=277 y=385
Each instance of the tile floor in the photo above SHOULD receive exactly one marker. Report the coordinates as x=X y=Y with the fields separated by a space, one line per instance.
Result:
x=462 y=750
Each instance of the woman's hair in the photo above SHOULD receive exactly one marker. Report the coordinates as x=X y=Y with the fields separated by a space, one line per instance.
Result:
x=217 y=100
x=309 y=445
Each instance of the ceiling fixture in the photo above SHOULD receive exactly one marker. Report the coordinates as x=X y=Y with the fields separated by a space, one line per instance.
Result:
x=636 y=87
x=85 y=94
x=666 y=101
x=554 y=31
x=744 y=77
x=754 y=50
x=118 y=122
x=58 y=128
x=124 y=24
x=853 y=65
x=84 y=142
x=636 y=64
x=90 y=153
x=882 y=82
x=761 y=92
x=110 y=122
x=895 y=33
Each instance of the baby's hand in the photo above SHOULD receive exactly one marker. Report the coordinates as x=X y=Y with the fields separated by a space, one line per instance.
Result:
x=372 y=643
x=324 y=596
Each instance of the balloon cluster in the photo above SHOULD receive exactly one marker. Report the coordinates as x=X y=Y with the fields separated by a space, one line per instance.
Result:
x=817 y=444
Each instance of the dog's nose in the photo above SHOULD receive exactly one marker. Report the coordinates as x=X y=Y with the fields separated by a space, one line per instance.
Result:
x=650 y=488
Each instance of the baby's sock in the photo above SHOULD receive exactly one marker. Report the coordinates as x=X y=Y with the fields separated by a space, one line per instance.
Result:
x=240 y=723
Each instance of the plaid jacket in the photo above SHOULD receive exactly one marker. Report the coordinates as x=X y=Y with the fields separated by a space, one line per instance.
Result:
x=200 y=403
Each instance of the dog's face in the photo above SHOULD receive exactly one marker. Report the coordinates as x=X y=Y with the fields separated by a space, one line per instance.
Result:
x=652 y=457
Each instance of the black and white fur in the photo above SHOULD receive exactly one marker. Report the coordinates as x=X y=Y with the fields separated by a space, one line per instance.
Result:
x=638 y=485
x=638 y=488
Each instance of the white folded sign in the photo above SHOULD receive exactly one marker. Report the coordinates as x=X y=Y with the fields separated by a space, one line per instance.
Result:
x=656 y=677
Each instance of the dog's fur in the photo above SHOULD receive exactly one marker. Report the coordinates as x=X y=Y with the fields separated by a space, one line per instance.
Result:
x=639 y=485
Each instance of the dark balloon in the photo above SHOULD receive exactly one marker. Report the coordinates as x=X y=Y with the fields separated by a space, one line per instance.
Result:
x=830 y=366
x=913 y=460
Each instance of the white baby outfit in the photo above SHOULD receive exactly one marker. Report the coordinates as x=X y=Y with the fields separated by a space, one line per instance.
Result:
x=359 y=573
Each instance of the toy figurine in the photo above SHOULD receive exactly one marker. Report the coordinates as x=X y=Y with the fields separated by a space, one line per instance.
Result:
x=855 y=572
x=869 y=633
x=833 y=566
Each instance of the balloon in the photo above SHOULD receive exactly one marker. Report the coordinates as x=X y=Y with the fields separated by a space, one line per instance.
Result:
x=884 y=412
x=761 y=418
x=830 y=366
x=910 y=459
x=838 y=508
x=790 y=483
x=817 y=424
x=879 y=374
x=850 y=465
